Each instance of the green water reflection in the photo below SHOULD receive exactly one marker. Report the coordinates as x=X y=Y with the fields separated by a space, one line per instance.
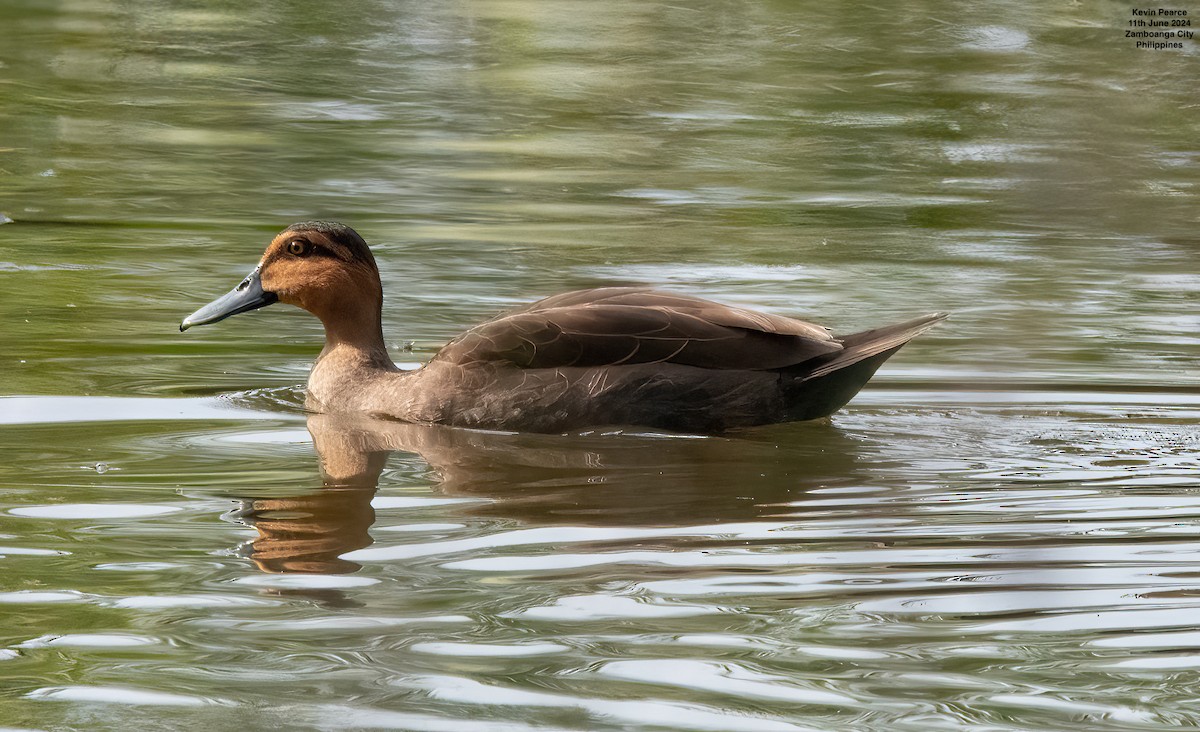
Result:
x=999 y=534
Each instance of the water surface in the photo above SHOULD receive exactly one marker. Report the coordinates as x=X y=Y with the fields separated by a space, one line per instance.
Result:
x=1000 y=533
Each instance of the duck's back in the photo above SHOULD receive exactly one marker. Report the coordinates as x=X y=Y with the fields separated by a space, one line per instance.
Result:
x=637 y=357
x=621 y=326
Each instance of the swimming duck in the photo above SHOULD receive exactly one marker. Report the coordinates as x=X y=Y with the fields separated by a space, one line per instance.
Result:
x=611 y=356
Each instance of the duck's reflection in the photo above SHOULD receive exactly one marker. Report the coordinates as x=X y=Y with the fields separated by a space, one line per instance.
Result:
x=592 y=479
x=308 y=534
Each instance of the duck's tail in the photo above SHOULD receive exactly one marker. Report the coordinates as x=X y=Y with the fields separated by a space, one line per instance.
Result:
x=823 y=385
x=862 y=346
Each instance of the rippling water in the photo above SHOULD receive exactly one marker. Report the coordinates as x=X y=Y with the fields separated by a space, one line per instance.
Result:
x=1008 y=563
x=1000 y=533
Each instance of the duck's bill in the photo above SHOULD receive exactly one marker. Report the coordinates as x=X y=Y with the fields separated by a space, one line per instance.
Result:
x=248 y=295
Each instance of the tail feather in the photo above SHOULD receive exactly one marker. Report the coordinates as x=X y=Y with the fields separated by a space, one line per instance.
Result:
x=861 y=346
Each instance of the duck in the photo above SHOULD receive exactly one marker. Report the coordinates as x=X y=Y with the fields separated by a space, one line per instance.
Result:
x=607 y=357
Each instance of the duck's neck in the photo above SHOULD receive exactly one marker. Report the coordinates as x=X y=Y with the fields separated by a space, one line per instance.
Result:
x=356 y=335
x=354 y=360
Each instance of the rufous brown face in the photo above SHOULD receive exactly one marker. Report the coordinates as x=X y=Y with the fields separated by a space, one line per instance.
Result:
x=319 y=267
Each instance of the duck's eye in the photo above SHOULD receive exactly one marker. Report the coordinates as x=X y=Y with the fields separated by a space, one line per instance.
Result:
x=299 y=247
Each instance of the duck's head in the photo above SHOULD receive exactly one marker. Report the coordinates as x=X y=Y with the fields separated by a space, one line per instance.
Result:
x=324 y=267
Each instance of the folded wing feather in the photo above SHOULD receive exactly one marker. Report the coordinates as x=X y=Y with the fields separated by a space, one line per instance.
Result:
x=615 y=325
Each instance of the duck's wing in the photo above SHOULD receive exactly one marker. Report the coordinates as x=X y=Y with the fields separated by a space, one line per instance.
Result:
x=615 y=325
